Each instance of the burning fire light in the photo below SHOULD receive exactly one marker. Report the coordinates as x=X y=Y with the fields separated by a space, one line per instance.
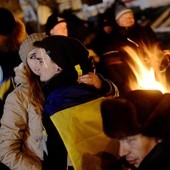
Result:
x=146 y=66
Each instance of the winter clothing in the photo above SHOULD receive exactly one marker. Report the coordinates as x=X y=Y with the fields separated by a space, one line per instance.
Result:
x=68 y=99
x=21 y=139
x=120 y=36
x=113 y=60
x=60 y=98
x=158 y=157
x=63 y=92
x=28 y=46
x=120 y=10
x=143 y=112
x=139 y=111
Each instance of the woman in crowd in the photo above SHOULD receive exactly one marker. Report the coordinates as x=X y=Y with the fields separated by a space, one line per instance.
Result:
x=48 y=66
x=22 y=143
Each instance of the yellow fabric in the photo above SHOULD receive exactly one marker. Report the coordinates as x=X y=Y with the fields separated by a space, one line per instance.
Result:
x=78 y=69
x=81 y=130
x=5 y=87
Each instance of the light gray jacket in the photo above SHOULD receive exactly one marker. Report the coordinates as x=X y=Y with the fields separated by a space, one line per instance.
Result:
x=21 y=133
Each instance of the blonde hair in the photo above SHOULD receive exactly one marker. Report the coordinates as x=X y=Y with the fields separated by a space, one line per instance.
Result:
x=35 y=92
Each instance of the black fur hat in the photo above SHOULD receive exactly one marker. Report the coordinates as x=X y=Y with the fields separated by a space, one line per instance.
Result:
x=119 y=118
x=140 y=111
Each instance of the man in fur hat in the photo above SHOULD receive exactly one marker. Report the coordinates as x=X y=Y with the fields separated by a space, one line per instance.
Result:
x=140 y=120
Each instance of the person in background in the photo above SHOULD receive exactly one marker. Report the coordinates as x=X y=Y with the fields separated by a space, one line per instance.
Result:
x=140 y=121
x=124 y=31
x=69 y=25
x=22 y=143
x=12 y=33
x=56 y=25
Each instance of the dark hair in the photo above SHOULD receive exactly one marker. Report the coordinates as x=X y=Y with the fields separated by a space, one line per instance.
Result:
x=8 y=22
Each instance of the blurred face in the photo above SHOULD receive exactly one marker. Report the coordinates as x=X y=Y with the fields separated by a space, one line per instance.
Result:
x=135 y=148
x=108 y=29
x=2 y=40
x=60 y=29
x=126 y=20
x=42 y=65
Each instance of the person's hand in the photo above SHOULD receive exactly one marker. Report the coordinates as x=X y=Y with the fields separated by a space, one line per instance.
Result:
x=91 y=79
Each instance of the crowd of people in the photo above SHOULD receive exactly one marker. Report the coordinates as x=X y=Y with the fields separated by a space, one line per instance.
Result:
x=48 y=79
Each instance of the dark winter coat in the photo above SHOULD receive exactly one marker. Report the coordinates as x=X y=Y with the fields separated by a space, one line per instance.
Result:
x=56 y=100
x=121 y=36
x=158 y=158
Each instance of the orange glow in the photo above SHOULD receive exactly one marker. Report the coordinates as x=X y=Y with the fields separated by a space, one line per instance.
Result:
x=146 y=66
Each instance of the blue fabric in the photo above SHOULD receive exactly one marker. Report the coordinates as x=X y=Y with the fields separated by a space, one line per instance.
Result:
x=66 y=97
x=1 y=75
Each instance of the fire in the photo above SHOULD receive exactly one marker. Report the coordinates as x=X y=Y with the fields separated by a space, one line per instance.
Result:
x=146 y=65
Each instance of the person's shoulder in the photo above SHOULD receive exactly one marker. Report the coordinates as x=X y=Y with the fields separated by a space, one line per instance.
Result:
x=20 y=93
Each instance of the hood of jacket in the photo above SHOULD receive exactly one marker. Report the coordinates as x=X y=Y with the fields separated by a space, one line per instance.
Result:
x=20 y=77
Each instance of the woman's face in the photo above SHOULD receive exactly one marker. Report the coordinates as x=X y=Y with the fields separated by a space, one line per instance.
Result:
x=41 y=64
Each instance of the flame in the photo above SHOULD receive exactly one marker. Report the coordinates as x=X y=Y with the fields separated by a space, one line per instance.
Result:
x=146 y=65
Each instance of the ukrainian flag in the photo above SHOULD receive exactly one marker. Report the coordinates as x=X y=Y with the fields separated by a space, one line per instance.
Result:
x=80 y=128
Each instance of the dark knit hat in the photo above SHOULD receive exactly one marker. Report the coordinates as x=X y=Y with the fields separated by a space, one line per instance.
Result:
x=53 y=20
x=120 y=10
x=65 y=52
x=8 y=22
x=27 y=45
x=129 y=115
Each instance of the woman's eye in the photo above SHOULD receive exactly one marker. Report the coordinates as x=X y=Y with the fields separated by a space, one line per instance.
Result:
x=32 y=56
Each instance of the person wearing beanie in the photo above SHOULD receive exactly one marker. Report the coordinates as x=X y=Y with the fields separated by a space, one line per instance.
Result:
x=126 y=24
x=22 y=143
x=121 y=10
x=140 y=121
x=62 y=87
x=47 y=82
x=12 y=33
x=126 y=31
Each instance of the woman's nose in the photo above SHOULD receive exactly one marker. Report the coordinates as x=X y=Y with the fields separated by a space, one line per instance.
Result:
x=36 y=68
